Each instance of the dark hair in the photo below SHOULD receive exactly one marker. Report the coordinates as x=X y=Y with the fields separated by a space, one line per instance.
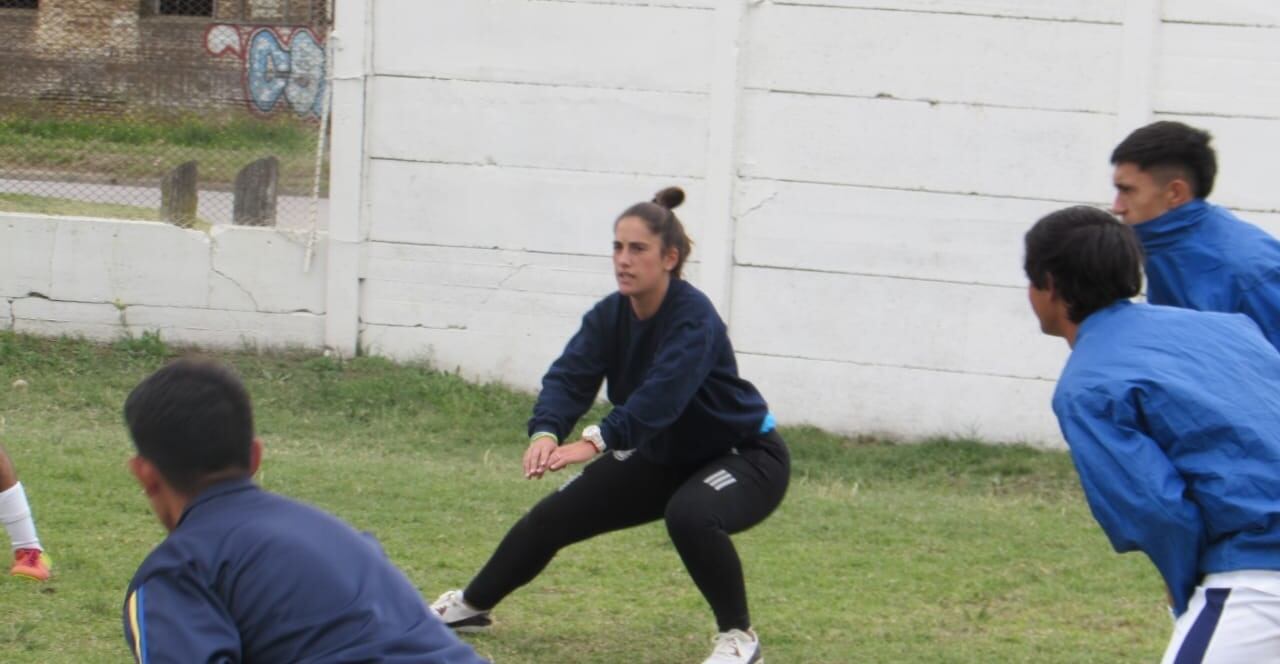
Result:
x=192 y=419
x=1172 y=145
x=657 y=215
x=1091 y=258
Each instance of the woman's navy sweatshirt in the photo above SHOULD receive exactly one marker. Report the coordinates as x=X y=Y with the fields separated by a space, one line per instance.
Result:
x=672 y=379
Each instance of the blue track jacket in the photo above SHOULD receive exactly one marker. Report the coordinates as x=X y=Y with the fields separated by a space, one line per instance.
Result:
x=1200 y=256
x=672 y=379
x=251 y=576
x=1173 y=419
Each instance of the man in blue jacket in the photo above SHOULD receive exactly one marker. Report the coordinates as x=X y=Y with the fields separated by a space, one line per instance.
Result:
x=246 y=575
x=1173 y=420
x=1199 y=255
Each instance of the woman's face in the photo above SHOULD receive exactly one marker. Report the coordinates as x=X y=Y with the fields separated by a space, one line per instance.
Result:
x=639 y=263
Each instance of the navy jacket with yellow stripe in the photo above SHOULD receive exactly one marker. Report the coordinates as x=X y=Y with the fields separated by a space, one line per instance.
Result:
x=251 y=576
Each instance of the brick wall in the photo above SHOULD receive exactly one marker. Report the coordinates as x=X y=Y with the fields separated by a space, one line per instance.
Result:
x=105 y=55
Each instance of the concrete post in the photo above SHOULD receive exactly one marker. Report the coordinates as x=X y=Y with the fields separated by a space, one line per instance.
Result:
x=351 y=72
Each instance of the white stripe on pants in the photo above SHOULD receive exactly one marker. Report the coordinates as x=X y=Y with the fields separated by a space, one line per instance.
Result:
x=1248 y=629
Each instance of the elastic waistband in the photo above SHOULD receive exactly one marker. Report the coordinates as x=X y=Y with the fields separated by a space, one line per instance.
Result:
x=1266 y=580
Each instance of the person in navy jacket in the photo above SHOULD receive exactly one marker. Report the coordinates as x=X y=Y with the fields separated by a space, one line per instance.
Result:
x=1198 y=255
x=246 y=575
x=1173 y=420
x=687 y=440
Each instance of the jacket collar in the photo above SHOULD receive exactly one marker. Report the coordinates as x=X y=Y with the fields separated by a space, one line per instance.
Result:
x=1172 y=225
x=216 y=491
x=1100 y=317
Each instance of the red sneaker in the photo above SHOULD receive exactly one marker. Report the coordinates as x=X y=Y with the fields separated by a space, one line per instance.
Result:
x=31 y=564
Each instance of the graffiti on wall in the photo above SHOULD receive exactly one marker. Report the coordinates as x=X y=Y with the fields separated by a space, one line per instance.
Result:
x=279 y=64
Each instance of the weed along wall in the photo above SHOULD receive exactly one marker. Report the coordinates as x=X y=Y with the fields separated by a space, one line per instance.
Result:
x=232 y=288
x=859 y=175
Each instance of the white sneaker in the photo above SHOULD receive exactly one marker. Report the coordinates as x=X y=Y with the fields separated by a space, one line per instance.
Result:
x=456 y=613
x=736 y=647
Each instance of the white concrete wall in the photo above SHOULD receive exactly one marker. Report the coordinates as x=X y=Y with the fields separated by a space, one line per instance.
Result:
x=103 y=279
x=496 y=165
x=859 y=177
x=882 y=159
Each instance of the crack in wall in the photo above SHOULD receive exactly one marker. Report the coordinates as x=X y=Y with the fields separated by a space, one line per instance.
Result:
x=756 y=206
x=237 y=284
x=416 y=326
x=511 y=276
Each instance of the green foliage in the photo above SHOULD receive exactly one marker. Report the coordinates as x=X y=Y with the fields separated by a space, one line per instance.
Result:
x=282 y=135
x=74 y=208
x=139 y=147
x=147 y=346
x=943 y=551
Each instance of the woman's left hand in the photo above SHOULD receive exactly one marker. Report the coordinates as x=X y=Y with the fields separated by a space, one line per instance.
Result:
x=571 y=453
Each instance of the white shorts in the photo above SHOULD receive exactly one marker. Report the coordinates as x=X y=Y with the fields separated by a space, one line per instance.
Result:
x=1232 y=617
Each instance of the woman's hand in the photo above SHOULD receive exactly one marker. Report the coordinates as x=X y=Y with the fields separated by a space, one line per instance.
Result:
x=565 y=455
x=537 y=456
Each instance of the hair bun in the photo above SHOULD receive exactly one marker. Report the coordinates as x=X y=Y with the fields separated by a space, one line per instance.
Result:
x=669 y=198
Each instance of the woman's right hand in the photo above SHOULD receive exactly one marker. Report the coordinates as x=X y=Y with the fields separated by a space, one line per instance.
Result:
x=536 y=458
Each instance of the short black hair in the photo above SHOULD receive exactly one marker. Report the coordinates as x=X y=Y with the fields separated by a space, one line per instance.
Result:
x=1172 y=145
x=1091 y=258
x=192 y=419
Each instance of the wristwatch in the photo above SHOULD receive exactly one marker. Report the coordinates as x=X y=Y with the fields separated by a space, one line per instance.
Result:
x=592 y=435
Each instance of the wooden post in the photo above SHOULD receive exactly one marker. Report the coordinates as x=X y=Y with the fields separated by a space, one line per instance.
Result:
x=255 y=196
x=178 y=195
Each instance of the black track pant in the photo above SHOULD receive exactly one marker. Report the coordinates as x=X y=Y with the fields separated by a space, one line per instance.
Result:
x=702 y=506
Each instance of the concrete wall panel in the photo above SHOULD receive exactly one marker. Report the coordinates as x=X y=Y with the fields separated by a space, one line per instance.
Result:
x=259 y=269
x=99 y=261
x=1222 y=12
x=26 y=254
x=888 y=322
x=92 y=320
x=228 y=329
x=929 y=147
x=1219 y=70
x=511 y=208
x=904 y=403
x=1096 y=11
x=642 y=47
x=893 y=233
x=533 y=126
x=943 y=57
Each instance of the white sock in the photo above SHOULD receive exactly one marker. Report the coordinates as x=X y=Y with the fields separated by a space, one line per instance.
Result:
x=15 y=514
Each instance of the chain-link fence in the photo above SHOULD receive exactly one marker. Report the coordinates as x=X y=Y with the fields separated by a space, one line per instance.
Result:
x=197 y=112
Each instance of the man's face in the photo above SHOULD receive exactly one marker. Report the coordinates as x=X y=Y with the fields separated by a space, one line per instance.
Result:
x=1045 y=307
x=1140 y=196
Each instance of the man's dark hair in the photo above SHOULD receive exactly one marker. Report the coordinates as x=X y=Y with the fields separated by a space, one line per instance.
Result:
x=1091 y=259
x=1171 y=146
x=192 y=419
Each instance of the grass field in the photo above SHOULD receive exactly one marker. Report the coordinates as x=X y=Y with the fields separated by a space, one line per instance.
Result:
x=65 y=207
x=136 y=148
x=947 y=551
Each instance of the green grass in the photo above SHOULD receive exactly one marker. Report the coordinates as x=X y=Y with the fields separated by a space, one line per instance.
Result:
x=947 y=551
x=136 y=147
x=67 y=207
